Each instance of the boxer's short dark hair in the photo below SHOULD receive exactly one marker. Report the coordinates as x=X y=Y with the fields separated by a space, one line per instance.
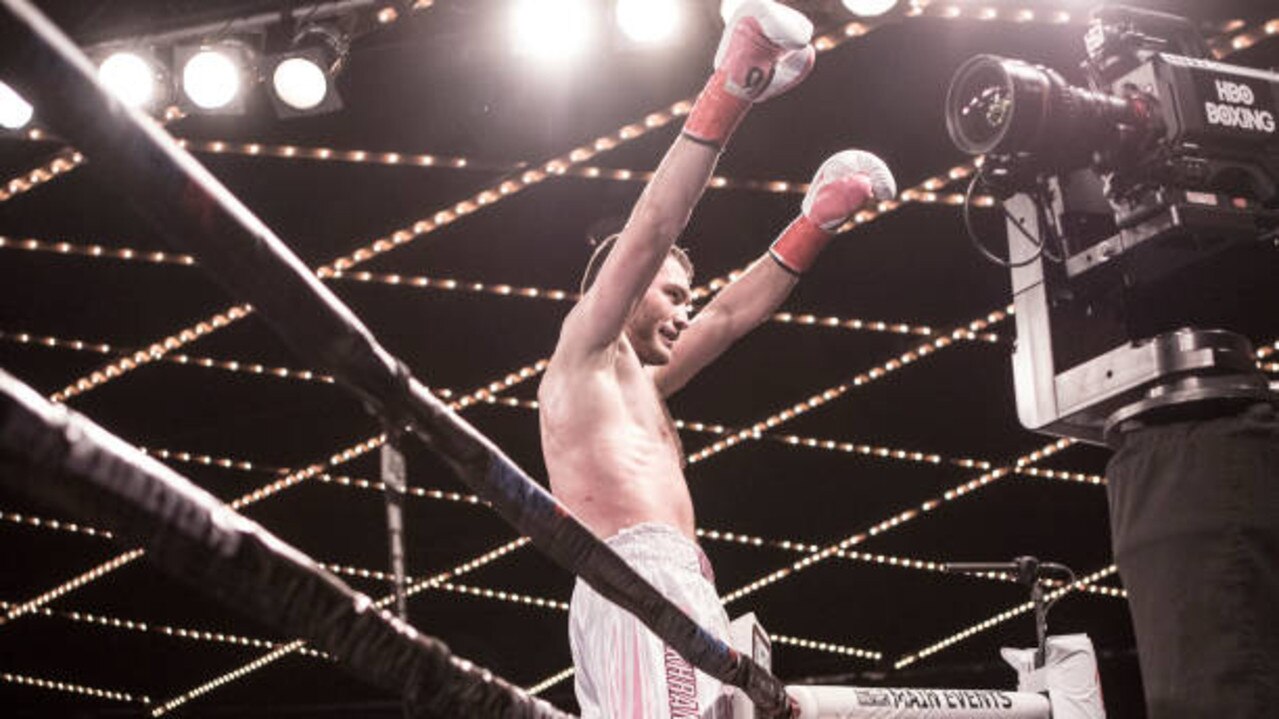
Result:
x=606 y=246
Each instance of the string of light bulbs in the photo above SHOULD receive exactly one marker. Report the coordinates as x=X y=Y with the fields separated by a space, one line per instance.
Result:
x=547 y=683
x=18 y=610
x=896 y=520
x=80 y=689
x=236 y=366
x=482 y=396
x=780 y=639
x=999 y=618
x=1243 y=37
x=446 y=216
x=757 y=430
x=421 y=282
x=924 y=565
x=509 y=380
x=270 y=657
x=52 y=524
x=529 y=371
x=65 y=160
x=186 y=633
x=738 y=538
x=1235 y=36
x=283 y=483
x=559 y=605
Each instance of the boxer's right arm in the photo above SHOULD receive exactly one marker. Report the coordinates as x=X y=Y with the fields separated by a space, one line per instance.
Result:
x=763 y=53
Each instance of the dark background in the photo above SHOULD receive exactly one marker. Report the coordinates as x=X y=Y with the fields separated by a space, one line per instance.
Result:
x=442 y=82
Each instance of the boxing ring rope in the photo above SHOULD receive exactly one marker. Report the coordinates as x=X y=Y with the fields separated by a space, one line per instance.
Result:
x=186 y=202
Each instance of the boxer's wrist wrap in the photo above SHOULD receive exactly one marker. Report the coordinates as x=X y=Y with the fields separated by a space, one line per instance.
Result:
x=799 y=244
x=716 y=113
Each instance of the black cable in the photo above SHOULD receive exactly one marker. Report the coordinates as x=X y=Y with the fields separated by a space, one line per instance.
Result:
x=981 y=246
x=1050 y=226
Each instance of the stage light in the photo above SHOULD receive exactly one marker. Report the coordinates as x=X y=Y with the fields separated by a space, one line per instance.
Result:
x=550 y=29
x=300 y=83
x=302 y=79
x=15 y=112
x=649 y=21
x=132 y=78
x=869 y=8
x=211 y=79
x=214 y=76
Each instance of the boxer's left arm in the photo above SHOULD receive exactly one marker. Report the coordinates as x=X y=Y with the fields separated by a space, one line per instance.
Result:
x=844 y=183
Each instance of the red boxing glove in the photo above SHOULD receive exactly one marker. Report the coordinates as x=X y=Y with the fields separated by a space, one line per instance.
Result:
x=764 y=52
x=842 y=185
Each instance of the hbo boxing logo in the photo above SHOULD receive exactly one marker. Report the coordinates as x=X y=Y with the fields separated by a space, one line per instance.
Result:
x=1235 y=92
x=1235 y=108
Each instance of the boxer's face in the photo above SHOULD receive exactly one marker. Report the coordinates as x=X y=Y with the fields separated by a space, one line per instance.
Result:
x=662 y=314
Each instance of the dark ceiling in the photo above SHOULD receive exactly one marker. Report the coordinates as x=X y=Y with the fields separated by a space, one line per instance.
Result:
x=440 y=82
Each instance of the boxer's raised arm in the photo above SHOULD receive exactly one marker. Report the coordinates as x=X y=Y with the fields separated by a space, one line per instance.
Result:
x=764 y=51
x=844 y=183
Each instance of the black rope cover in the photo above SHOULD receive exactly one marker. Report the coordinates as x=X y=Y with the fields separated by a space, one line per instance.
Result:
x=56 y=456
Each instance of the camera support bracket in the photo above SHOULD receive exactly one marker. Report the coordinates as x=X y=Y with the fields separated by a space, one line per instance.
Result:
x=1133 y=379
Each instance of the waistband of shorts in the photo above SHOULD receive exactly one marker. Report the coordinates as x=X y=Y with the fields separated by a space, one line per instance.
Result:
x=654 y=541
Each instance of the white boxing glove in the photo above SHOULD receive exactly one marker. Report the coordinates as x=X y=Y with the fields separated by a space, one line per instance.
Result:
x=844 y=183
x=764 y=51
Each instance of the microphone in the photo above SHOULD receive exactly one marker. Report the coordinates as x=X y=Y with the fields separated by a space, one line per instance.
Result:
x=1026 y=569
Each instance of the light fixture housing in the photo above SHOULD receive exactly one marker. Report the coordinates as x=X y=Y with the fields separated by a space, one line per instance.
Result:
x=15 y=112
x=136 y=76
x=302 y=80
x=215 y=78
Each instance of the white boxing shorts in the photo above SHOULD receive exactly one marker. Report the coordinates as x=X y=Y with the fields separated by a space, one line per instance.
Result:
x=623 y=670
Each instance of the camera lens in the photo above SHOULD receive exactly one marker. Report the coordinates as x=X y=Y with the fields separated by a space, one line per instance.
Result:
x=979 y=107
x=1010 y=107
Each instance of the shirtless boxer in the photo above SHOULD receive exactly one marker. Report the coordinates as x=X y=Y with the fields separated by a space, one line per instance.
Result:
x=610 y=447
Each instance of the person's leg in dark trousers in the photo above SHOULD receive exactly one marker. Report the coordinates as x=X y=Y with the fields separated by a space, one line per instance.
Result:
x=1194 y=510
